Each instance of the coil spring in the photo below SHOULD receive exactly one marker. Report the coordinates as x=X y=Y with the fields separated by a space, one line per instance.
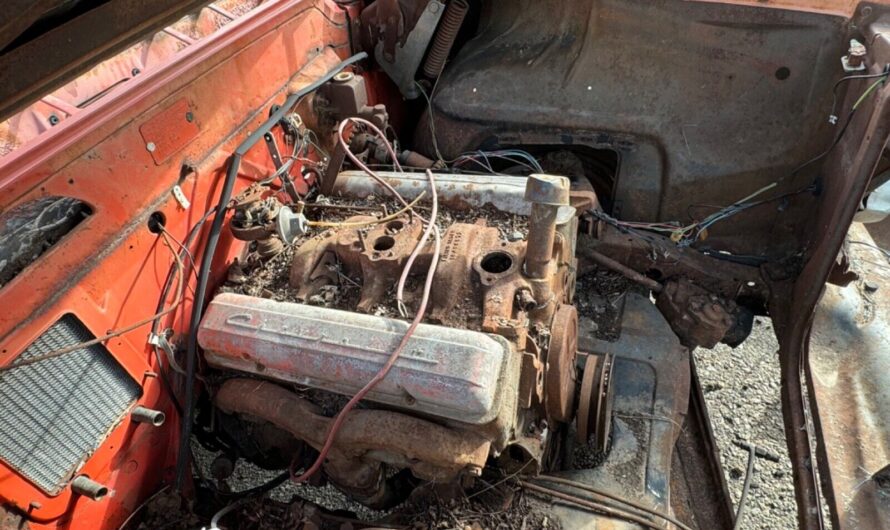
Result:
x=451 y=22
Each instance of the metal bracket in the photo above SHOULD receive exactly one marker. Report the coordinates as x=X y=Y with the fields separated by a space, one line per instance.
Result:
x=407 y=58
x=180 y=197
x=160 y=341
x=276 y=159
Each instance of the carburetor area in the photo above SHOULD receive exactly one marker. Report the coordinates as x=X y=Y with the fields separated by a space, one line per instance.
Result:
x=490 y=374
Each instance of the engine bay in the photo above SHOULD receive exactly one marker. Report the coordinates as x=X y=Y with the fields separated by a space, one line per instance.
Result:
x=445 y=260
x=416 y=330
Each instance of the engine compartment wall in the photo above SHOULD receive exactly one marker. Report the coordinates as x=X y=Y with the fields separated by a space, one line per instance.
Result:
x=110 y=269
x=704 y=103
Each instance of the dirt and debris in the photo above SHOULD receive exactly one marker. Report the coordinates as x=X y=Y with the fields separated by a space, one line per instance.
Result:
x=495 y=503
x=490 y=506
x=166 y=510
x=599 y=296
x=336 y=209
x=330 y=403
x=584 y=456
x=271 y=279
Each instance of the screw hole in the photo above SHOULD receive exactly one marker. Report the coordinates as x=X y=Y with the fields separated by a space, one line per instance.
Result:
x=783 y=73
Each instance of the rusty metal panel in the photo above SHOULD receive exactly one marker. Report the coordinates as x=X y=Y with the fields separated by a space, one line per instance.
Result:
x=704 y=103
x=448 y=372
x=651 y=381
x=849 y=358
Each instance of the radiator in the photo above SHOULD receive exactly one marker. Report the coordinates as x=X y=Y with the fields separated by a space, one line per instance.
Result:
x=55 y=413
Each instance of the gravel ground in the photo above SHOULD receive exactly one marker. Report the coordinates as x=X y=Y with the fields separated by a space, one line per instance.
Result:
x=741 y=388
x=247 y=475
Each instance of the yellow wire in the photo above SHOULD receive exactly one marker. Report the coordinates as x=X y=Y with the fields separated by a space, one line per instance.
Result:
x=333 y=224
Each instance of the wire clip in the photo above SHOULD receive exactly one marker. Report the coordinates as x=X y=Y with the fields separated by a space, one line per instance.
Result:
x=180 y=197
x=160 y=341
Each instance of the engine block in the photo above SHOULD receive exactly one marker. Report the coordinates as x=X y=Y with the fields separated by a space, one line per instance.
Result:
x=494 y=361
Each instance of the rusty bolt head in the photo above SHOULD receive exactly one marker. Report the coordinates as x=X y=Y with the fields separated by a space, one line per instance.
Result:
x=547 y=189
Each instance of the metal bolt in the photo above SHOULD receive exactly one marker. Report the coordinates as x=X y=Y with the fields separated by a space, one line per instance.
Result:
x=84 y=485
x=135 y=72
x=53 y=119
x=142 y=414
x=189 y=117
x=151 y=147
x=526 y=300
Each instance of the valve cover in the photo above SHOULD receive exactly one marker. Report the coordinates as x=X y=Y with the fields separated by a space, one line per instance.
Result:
x=451 y=373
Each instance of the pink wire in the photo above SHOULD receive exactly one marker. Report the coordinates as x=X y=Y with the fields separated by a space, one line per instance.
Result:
x=361 y=165
x=420 y=244
x=393 y=357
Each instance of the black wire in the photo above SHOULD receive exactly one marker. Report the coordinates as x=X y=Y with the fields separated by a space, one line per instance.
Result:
x=165 y=380
x=840 y=134
x=210 y=249
x=256 y=490
x=852 y=78
x=823 y=154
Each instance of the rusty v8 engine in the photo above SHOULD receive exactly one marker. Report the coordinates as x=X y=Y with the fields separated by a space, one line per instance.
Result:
x=491 y=375
x=441 y=263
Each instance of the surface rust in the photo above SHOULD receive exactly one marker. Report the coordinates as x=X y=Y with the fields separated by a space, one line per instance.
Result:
x=433 y=451
x=849 y=353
